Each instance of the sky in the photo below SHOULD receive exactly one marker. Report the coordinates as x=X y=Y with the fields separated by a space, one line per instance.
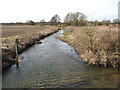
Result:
x=23 y=10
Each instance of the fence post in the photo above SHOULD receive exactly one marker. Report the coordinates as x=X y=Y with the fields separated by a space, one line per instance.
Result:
x=17 y=63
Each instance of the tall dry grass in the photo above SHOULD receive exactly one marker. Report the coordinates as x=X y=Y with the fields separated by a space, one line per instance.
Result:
x=28 y=37
x=95 y=45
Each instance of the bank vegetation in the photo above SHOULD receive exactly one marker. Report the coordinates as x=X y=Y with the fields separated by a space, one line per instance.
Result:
x=96 y=45
x=26 y=35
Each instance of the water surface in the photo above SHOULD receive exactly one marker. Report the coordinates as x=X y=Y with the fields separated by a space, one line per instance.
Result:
x=55 y=64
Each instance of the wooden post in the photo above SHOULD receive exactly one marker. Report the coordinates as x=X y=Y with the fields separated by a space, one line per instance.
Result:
x=17 y=63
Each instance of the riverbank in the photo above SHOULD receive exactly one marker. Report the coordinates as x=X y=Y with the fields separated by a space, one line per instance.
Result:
x=26 y=35
x=95 y=45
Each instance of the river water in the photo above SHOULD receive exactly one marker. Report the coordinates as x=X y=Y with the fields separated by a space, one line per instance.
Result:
x=55 y=64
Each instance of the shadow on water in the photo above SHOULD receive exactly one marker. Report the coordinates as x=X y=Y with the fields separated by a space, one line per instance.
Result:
x=55 y=64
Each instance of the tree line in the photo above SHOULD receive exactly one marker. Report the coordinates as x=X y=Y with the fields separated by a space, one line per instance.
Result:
x=71 y=19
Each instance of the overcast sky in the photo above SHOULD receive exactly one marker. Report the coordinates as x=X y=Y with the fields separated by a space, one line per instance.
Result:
x=22 y=10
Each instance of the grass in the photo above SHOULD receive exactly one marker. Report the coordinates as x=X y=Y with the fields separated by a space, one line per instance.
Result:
x=19 y=30
x=26 y=35
x=95 y=45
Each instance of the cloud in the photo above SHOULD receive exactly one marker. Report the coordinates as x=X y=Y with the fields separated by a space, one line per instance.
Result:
x=22 y=10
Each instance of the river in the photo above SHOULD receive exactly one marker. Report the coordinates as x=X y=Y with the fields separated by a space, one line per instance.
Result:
x=55 y=64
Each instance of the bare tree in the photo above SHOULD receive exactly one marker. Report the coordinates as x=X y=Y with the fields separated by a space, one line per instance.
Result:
x=75 y=19
x=81 y=20
x=42 y=22
x=55 y=19
x=69 y=18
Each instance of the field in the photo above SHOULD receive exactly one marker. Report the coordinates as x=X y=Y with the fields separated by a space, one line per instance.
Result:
x=26 y=35
x=95 y=45
x=19 y=30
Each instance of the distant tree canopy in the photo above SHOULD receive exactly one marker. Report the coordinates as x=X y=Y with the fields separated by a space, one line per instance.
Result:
x=106 y=22
x=42 y=20
x=69 y=18
x=74 y=19
x=30 y=22
x=77 y=19
x=97 y=23
x=55 y=19
x=116 y=21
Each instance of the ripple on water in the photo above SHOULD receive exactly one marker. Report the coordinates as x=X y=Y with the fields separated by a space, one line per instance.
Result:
x=55 y=64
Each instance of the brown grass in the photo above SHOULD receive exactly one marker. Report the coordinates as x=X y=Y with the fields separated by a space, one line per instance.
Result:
x=95 y=45
x=18 y=30
x=26 y=35
x=23 y=33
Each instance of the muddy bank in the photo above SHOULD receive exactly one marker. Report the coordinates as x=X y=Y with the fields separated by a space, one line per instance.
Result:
x=25 y=41
x=95 y=45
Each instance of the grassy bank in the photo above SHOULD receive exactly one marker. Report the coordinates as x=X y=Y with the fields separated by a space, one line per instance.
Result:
x=27 y=36
x=95 y=45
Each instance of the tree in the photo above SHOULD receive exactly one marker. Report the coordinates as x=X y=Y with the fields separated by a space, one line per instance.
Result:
x=116 y=21
x=42 y=22
x=78 y=16
x=82 y=20
x=100 y=23
x=69 y=18
x=96 y=22
x=30 y=22
x=55 y=19
x=106 y=22
x=75 y=19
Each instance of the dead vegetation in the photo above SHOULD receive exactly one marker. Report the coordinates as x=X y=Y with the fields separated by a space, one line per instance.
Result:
x=13 y=30
x=27 y=36
x=95 y=45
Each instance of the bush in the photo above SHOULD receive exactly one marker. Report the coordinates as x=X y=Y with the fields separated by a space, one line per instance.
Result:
x=30 y=22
